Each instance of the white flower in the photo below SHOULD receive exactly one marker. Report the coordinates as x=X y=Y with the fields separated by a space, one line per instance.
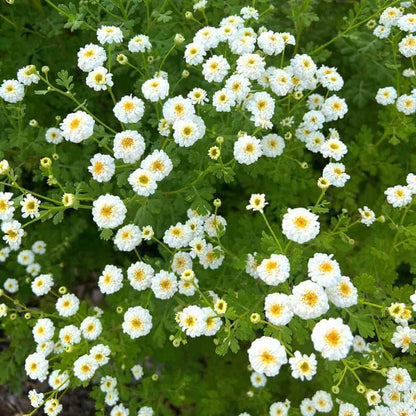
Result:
x=77 y=126
x=258 y=380
x=343 y=294
x=145 y=411
x=303 y=366
x=399 y=378
x=119 y=410
x=261 y=105
x=139 y=43
x=70 y=335
x=85 y=367
x=247 y=149
x=99 y=79
x=406 y=103
x=367 y=216
x=334 y=108
x=91 y=328
x=274 y=270
x=11 y=285
x=12 y=91
x=278 y=308
x=239 y=86
x=188 y=131
x=211 y=257
x=300 y=225
x=27 y=75
x=110 y=280
x=359 y=344
x=267 y=355
x=280 y=81
x=212 y=322
x=390 y=16
x=403 y=337
x=158 y=163
x=272 y=145
x=178 y=108
x=90 y=57
x=251 y=65
x=335 y=174
x=143 y=182
x=411 y=182
x=107 y=384
x=108 y=211
x=129 y=109
x=271 y=43
x=407 y=46
x=137 y=322
x=3 y=310
x=129 y=146
x=137 y=371
x=164 y=285
x=109 y=35
x=332 y=338
x=279 y=408
x=42 y=284
x=43 y=330
x=223 y=100
x=257 y=202
x=181 y=261
x=386 y=95
x=192 y=321
x=25 y=257
x=398 y=196
x=4 y=254
x=36 y=399
x=53 y=135
x=30 y=206
x=194 y=53
x=334 y=148
x=322 y=401
x=36 y=366
x=177 y=236
x=102 y=167
x=101 y=354
x=198 y=96
x=207 y=36
x=13 y=233
x=140 y=275
x=322 y=269
x=6 y=206
x=407 y=23
x=128 y=237
x=307 y=408
x=67 y=305
x=309 y=300
x=155 y=89
x=249 y=13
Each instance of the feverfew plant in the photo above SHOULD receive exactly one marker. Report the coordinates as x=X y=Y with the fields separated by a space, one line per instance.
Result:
x=208 y=222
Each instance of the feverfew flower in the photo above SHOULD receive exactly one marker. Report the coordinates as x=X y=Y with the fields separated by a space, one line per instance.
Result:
x=343 y=294
x=300 y=225
x=108 y=211
x=128 y=237
x=406 y=104
x=12 y=91
x=91 y=328
x=251 y=65
x=303 y=366
x=164 y=285
x=110 y=280
x=77 y=126
x=102 y=167
x=6 y=206
x=129 y=109
x=334 y=148
x=398 y=196
x=335 y=174
x=192 y=321
x=11 y=285
x=403 y=337
x=85 y=367
x=140 y=275
x=270 y=42
x=137 y=371
x=139 y=43
x=53 y=135
x=109 y=35
x=257 y=202
x=258 y=380
x=247 y=149
x=322 y=401
x=334 y=108
x=309 y=300
x=43 y=330
x=13 y=233
x=274 y=270
x=158 y=163
x=67 y=305
x=177 y=236
x=399 y=378
x=42 y=284
x=155 y=89
x=386 y=95
x=69 y=335
x=267 y=355
x=137 y=322
x=129 y=146
x=367 y=216
x=407 y=47
x=188 y=131
x=272 y=145
x=90 y=57
x=99 y=79
x=411 y=182
x=30 y=206
x=194 y=53
x=278 y=308
x=324 y=270
x=36 y=366
x=27 y=75
x=332 y=338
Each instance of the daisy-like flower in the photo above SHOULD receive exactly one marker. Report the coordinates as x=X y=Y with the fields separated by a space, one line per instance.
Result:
x=36 y=399
x=398 y=196
x=188 y=131
x=247 y=149
x=11 y=285
x=406 y=104
x=300 y=225
x=334 y=148
x=386 y=95
x=43 y=330
x=3 y=310
x=42 y=284
x=177 y=236
x=309 y=300
x=85 y=367
x=25 y=257
x=343 y=294
x=303 y=366
x=278 y=308
x=28 y=75
x=270 y=43
x=6 y=206
x=324 y=270
x=128 y=237
x=137 y=322
x=13 y=233
x=367 y=216
x=101 y=354
x=53 y=135
x=36 y=366
x=110 y=280
x=102 y=167
x=322 y=401
x=67 y=305
x=334 y=108
x=99 y=79
x=91 y=328
x=266 y=356
x=77 y=127
x=12 y=91
x=257 y=202
x=280 y=81
x=307 y=408
x=4 y=254
x=108 y=211
x=274 y=270
x=335 y=173
x=145 y=411
x=411 y=182
x=399 y=378
x=109 y=35
x=212 y=322
x=90 y=57
x=139 y=43
x=403 y=337
x=303 y=66
x=69 y=335
x=258 y=380
x=192 y=321
x=147 y=233
x=108 y=383
x=129 y=109
x=155 y=89
x=39 y=247
x=30 y=206
x=407 y=46
x=198 y=96
x=178 y=108
x=332 y=338
x=272 y=145
x=223 y=100
x=181 y=261
x=164 y=285
x=251 y=65
x=140 y=275
x=137 y=371
x=159 y=163
x=194 y=53
x=359 y=344
x=143 y=182
x=129 y=146
x=239 y=86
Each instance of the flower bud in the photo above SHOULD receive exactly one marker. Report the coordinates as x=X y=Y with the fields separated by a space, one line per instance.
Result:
x=4 y=167
x=28 y=315
x=33 y=123
x=150 y=59
x=214 y=152
x=335 y=389
x=255 y=318
x=217 y=203
x=185 y=73
x=381 y=218
x=122 y=59
x=250 y=393
x=373 y=365
x=360 y=389
x=45 y=69
x=69 y=348
x=62 y=290
x=119 y=309
x=304 y=165
x=288 y=135
x=188 y=275
x=220 y=140
x=176 y=343
x=58 y=118
x=298 y=95
x=55 y=156
x=189 y=15
x=45 y=162
x=323 y=183
x=155 y=377
x=68 y=200
x=13 y=316
x=179 y=39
